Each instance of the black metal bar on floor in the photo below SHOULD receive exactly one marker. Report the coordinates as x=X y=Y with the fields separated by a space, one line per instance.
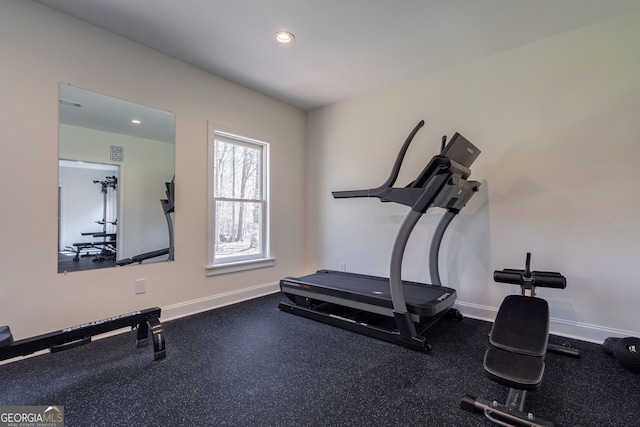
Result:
x=146 y=321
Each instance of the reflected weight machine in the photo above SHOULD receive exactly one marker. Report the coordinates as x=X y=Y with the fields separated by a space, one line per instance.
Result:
x=108 y=244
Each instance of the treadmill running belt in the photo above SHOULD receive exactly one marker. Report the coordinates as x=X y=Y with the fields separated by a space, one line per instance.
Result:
x=421 y=299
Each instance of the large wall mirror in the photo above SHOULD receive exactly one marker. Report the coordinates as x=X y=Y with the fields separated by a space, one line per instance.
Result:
x=115 y=182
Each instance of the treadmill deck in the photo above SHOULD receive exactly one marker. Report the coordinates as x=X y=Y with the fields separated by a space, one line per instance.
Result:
x=370 y=292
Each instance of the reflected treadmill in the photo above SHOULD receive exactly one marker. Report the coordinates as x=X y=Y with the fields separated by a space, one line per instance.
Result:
x=392 y=309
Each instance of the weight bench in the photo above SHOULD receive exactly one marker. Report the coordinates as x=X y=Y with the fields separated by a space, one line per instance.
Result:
x=147 y=323
x=518 y=345
x=109 y=246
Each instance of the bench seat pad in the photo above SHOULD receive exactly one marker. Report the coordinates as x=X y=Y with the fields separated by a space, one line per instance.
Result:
x=513 y=370
x=522 y=325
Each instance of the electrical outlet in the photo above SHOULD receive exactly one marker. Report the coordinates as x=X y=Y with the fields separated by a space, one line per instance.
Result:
x=141 y=286
x=343 y=266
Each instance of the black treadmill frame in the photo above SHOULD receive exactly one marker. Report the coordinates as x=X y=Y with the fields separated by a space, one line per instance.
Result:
x=371 y=327
x=442 y=183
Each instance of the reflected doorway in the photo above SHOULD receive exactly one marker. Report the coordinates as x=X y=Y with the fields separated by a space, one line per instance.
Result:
x=89 y=200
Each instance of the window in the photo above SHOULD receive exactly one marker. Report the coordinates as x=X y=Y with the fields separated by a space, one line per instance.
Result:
x=239 y=214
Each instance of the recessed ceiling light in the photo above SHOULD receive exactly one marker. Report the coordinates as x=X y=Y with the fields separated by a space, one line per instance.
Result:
x=285 y=37
x=135 y=121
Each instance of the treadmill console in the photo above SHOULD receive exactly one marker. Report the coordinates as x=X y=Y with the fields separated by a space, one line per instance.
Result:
x=461 y=151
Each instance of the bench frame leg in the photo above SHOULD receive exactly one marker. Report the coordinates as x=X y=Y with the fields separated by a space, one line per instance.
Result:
x=504 y=415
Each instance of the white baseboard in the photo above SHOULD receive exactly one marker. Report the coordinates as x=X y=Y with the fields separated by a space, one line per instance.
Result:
x=476 y=311
x=560 y=327
x=188 y=308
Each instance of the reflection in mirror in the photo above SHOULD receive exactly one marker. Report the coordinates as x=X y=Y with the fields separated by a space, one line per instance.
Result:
x=115 y=182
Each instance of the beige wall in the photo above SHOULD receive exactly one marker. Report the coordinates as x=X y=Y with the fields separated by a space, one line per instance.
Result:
x=41 y=48
x=558 y=125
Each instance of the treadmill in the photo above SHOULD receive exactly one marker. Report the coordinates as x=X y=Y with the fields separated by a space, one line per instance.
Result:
x=392 y=309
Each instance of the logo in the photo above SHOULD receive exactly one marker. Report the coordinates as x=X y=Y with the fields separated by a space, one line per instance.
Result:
x=443 y=296
x=287 y=283
x=31 y=416
x=297 y=285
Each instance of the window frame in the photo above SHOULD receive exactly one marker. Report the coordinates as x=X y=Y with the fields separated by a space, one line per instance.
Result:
x=217 y=265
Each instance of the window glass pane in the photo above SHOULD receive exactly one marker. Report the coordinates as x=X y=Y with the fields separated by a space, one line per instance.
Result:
x=238 y=204
x=238 y=229
x=238 y=171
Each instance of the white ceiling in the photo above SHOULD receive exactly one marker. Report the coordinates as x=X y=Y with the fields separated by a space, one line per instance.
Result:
x=342 y=48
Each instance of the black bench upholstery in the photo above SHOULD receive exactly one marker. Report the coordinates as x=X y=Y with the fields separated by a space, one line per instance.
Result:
x=513 y=370
x=522 y=325
x=518 y=343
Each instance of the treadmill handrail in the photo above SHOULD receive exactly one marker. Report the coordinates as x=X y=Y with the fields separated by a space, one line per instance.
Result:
x=395 y=170
x=409 y=194
x=393 y=176
x=414 y=193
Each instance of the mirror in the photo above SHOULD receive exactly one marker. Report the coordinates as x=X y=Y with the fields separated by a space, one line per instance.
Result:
x=115 y=182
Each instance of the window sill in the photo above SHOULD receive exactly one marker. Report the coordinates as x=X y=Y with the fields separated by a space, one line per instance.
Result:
x=234 y=267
